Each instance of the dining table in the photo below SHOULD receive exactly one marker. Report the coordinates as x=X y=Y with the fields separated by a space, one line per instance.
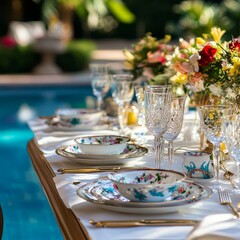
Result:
x=75 y=214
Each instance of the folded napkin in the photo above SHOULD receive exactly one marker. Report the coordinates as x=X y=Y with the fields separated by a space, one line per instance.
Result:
x=217 y=227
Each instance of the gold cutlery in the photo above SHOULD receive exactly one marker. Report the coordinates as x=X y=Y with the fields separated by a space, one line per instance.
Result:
x=98 y=169
x=225 y=199
x=143 y=222
x=228 y=175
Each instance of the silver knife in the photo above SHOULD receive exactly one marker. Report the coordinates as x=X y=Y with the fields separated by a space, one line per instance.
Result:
x=143 y=222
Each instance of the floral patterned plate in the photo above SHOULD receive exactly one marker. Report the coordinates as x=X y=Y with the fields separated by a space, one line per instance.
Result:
x=74 y=154
x=102 y=193
x=55 y=125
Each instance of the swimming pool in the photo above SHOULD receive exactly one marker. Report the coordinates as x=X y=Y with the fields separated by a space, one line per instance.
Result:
x=27 y=214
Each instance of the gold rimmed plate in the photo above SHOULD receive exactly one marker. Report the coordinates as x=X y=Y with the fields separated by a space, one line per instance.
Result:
x=54 y=124
x=73 y=153
x=102 y=193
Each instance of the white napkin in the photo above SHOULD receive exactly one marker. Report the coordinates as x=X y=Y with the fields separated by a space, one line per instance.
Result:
x=217 y=227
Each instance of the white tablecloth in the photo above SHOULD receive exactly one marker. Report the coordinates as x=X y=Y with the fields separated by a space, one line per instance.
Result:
x=48 y=141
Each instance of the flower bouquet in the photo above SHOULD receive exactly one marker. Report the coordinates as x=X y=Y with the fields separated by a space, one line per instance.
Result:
x=208 y=65
x=149 y=59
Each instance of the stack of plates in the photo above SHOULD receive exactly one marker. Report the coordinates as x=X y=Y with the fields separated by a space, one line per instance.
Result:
x=72 y=152
x=102 y=193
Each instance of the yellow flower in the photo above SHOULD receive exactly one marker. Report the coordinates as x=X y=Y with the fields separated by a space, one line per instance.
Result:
x=128 y=65
x=179 y=78
x=211 y=115
x=217 y=34
x=128 y=55
x=200 y=40
x=235 y=69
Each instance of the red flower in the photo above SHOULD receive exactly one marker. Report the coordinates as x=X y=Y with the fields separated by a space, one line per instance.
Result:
x=7 y=42
x=207 y=55
x=235 y=45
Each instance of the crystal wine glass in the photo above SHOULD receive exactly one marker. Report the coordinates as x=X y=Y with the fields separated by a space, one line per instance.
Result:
x=175 y=124
x=231 y=127
x=122 y=87
x=211 y=119
x=157 y=117
x=100 y=82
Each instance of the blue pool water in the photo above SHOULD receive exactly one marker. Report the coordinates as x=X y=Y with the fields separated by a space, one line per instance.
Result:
x=27 y=214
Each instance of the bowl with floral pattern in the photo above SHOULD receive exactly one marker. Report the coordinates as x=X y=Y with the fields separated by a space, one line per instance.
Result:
x=102 y=145
x=78 y=116
x=153 y=185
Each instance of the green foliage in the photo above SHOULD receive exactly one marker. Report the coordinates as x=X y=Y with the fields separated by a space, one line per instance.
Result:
x=120 y=11
x=77 y=56
x=22 y=59
x=198 y=17
x=102 y=15
x=17 y=59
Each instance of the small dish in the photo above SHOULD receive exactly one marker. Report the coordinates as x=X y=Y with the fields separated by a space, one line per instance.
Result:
x=74 y=154
x=103 y=144
x=78 y=116
x=146 y=185
x=197 y=164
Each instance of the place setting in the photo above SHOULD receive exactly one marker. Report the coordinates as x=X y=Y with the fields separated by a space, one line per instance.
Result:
x=77 y=119
x=102 y=150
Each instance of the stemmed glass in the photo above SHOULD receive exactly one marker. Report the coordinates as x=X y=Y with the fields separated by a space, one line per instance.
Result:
x=211 y=120
x=231 y=127
x=122 y=87
x=100 y=82
x=157 y=116
x=174 y=125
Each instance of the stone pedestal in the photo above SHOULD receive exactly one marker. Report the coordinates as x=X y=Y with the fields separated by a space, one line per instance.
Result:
x=48 y=47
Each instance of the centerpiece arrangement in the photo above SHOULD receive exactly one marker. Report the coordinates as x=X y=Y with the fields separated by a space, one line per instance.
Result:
x=148 y=59
x=208 y=67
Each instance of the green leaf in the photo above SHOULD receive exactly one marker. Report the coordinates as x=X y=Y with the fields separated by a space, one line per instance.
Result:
x=120 y=11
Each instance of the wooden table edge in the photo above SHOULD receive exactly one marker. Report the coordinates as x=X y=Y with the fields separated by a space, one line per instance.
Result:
x=70 y=226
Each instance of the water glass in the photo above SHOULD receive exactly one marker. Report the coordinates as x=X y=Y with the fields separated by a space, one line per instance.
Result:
x=100 y=82
x=157 y=116
x=175 y=124
x=122 y=87
x=211 y=120
x=231 y=127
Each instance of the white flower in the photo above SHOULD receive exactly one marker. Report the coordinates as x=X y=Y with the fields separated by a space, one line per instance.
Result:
x=230 y=93
x=199 y=86
x=193 y=60
x=216 y=90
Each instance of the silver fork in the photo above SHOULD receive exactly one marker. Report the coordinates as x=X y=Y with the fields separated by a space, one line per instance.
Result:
x=225 y=199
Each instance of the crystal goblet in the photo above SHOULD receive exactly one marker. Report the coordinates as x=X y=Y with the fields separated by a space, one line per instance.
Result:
x=231 y=127
x=157 y=117
x=211 y=120
x=100 y=82
x=175 y=124
x=122 y=87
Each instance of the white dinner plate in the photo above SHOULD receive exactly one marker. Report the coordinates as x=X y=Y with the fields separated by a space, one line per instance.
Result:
x=73 y=153
x=55 y=125
x=102 y=193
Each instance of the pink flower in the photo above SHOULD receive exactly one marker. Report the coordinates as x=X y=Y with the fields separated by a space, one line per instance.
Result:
x=235 y=44
x=196 y=77
x=156 y=57
x=183 y=67
x=7 y=42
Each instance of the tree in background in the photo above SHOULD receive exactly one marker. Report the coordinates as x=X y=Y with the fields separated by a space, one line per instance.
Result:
x=198 y=17
x=101 y=15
